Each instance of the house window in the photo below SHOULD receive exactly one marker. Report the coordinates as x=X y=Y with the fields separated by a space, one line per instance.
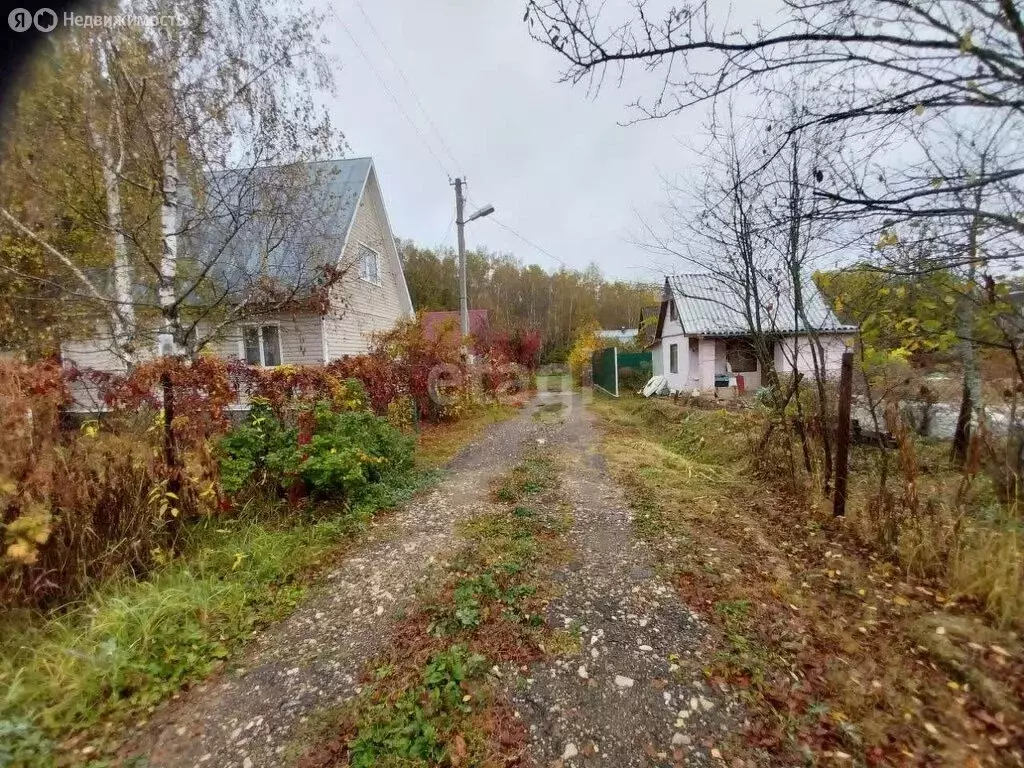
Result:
x=673 y=358
x=261 y=345
x=369 y=265
x=672 y=311
x=740 y=356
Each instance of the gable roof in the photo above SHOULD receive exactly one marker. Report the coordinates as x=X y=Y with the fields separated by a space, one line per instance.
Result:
x=709 y=305
x=285 y=224
x=618 y=334
x=437 y=323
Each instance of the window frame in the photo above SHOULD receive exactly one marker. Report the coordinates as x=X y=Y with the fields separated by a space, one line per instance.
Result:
x=673 y=358
x=259 y=335
x=673 y=313
x=362 y=271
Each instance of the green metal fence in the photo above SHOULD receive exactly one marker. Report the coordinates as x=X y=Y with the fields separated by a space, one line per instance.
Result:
x=606 y=374
x=635 y=368
x=614 y=371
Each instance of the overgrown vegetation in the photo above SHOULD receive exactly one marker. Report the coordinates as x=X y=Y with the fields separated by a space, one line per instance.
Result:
x=116 y=590
x=842 y=648
x=433 y=697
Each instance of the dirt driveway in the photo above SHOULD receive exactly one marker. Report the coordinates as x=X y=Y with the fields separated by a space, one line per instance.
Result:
x=634 y=698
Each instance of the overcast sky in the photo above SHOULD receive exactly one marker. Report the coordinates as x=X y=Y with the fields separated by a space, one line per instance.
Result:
x=553 y=160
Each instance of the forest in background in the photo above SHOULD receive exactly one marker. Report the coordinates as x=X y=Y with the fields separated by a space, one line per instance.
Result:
x=558 y=304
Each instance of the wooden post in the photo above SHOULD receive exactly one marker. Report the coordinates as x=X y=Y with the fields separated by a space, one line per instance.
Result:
x=843 y=435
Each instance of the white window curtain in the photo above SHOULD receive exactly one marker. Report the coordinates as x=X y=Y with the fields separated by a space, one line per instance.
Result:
x=369 y=264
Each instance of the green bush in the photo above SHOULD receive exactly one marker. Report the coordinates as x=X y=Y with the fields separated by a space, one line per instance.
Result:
x=346 y=452
x=244 y=450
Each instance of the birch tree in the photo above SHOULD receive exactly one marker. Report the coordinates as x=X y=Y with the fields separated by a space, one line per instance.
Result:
x=203 y=132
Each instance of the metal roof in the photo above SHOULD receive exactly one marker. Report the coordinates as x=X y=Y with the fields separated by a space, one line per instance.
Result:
x=285 y=223
x=711 y=305
x=624 y=334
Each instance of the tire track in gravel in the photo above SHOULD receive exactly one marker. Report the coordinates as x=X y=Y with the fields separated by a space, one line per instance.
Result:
x=636 y=696
x=311 y=661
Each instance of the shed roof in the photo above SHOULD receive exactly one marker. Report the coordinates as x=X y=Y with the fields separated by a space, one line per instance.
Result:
x=711 y=305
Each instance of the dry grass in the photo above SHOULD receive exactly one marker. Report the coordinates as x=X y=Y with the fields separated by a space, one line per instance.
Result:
x=840 y=654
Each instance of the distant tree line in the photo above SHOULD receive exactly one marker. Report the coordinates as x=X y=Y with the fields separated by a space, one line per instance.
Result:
x=559 y=304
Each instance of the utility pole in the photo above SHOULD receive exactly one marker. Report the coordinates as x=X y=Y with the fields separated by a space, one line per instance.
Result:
x=460 y=203
x=462 y=221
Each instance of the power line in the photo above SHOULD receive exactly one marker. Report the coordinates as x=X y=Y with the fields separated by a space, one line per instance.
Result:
x=530 y=243
x=384 y=85
x=448 y=231
x=408 y=85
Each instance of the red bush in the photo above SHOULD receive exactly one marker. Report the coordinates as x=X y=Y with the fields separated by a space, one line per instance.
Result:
x=204 y=390
x=379 y=375
x=31 y=396
x=520 y=346
x=291 y=385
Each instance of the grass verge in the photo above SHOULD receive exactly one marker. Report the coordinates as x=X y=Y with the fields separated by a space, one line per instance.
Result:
x=433 y=697
x=68 y=681
x=841 y=657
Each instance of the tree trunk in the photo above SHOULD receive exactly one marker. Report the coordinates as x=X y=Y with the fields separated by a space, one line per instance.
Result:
x=125 y=336
x=171 y=462
x=170 y=337
x=962 y=434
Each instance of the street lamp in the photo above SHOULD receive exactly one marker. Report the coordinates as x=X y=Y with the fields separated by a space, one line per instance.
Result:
x=487 y=210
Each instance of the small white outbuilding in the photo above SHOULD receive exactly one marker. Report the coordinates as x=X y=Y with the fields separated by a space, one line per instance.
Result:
x=703 y=336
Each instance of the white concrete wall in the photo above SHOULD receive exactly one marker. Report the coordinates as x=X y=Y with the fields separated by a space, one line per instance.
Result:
x=834 y=344
x=677 y=380
x=656 y=360
x=708 y=361
x=671 y=327
x=711 y=359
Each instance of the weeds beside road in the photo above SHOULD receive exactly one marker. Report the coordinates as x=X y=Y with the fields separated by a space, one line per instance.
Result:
x=841 y=655
x=69 y=681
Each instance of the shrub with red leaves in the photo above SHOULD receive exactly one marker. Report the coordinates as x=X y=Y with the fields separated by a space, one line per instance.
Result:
x=204 y=390
x=380 y=376
x=288 y=386
x=520 y=346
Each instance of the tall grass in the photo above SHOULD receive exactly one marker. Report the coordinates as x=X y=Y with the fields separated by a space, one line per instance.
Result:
x=989 y=564
x=130 y=643
x=926 y=517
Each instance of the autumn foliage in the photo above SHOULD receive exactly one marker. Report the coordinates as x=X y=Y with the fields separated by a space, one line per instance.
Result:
x=80 y=504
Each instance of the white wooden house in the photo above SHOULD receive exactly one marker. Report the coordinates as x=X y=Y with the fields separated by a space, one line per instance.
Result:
x=703 y=334
x=371 y=296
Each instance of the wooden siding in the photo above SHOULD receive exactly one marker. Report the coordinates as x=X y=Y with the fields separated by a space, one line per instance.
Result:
x=360 y=308
x=301 y=338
